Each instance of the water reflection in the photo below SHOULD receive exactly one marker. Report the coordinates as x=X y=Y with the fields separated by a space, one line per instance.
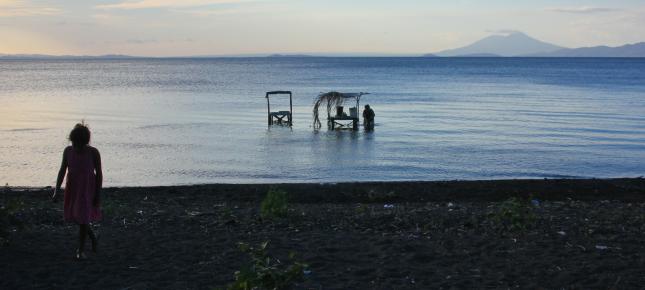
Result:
x=184 y=122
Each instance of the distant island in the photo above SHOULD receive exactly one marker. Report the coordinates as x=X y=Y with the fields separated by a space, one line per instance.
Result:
x=512 y=44
x=629 y=50
x=518 y=44
x=291 y=55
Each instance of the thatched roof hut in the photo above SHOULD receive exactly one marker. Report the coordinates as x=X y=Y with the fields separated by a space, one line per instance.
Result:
x=331 y=100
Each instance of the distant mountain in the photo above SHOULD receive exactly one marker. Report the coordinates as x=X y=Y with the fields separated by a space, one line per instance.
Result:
x=629 y=50
x=480 y=55
x=510 y=44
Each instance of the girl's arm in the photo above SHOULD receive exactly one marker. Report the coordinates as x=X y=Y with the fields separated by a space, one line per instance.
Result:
x=61 y=175
x=99 y=177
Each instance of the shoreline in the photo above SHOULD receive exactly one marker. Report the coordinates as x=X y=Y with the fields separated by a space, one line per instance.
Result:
x=624 y=189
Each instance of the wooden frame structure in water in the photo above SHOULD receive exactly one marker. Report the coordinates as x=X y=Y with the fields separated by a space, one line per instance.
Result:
x=279 y=116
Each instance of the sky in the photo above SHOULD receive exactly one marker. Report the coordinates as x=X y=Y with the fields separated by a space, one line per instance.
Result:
x=237 y=27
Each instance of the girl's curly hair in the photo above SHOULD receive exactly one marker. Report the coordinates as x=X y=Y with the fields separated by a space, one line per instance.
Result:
x=80 y=135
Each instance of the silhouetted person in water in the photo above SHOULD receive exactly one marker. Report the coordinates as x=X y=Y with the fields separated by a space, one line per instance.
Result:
x=83 y=186
x=368 y=118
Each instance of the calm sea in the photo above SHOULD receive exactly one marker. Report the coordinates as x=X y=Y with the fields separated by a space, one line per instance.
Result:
x=192 y=121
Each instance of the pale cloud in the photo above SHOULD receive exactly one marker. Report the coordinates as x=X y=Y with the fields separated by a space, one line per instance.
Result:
x=582 y=10
x=247 y=9
x=145 y=41
x=504 y=31
x=160 y=27
x=146 y=4
x=214 y=12
x=16 y=8
x=141 y=41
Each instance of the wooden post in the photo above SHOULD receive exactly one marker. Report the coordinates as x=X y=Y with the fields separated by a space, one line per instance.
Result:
x=268 y=110
x=290 y=109
x=358 y=110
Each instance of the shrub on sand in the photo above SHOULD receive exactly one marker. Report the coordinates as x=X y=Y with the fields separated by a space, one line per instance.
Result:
x=266 y=272
x=514 y=214
x=274 y=204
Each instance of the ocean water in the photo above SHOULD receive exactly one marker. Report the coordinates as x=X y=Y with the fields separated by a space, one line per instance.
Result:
x=193 y=121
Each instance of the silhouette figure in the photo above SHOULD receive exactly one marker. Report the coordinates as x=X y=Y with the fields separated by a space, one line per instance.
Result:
x=82 y=163
x=368 y=118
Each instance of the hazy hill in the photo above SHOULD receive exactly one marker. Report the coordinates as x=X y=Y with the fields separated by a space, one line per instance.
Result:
x=629 y=50
x=511 y=44
x=290 y=55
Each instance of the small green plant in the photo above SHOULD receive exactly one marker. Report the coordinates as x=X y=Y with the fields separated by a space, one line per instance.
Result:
x=274 y=204
x=266 y=272
x=113 y=208
x=361 y=208
x=227 y=213
x=380 y=196
x=514 y=214
x=10 y=218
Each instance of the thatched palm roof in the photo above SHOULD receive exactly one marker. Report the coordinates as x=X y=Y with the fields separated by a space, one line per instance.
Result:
x=332 y=99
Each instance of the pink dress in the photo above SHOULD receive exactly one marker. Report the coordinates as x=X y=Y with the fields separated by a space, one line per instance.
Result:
x=80 y=187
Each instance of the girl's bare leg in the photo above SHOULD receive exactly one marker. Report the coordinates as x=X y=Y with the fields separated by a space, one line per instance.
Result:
x=93 y=239
x=82 y=233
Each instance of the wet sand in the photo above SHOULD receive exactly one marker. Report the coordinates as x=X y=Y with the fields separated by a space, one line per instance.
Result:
x=588 y=234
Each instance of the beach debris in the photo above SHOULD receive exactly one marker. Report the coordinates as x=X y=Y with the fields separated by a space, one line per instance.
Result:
x=306 y=272
x=140 y=212
x=535 y=202
x=145 y=198
x=230 y=222
x=562 y=233
x=603 y=247
x=388 y=206
x=450 y=204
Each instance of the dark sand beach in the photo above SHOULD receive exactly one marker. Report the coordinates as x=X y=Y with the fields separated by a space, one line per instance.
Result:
x=587 y=234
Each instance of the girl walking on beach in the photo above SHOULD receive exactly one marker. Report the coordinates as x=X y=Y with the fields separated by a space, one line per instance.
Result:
x=82 y=189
